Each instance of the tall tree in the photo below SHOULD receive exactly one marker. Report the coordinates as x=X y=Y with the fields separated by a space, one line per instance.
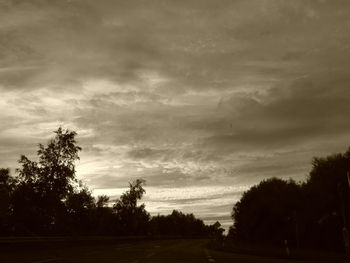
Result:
x=45 y=184
x=327 y=192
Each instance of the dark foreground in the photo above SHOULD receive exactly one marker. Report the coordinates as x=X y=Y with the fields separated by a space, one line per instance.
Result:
x=133 y=251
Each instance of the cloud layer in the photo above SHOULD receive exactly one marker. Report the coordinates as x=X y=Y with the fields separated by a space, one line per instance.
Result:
x=182 y=93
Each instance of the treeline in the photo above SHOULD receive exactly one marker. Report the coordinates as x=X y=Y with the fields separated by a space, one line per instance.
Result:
x=313 y=214
x=45 y=198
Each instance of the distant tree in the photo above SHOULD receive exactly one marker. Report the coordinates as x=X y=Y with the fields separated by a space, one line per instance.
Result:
x=178 y=224
x=231 y=233
x=132 y=219
x=215 y=230
x=102 y=201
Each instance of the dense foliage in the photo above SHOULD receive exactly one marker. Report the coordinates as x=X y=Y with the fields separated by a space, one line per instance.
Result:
x=266 y=213
x=45 y=198
x=308 y=215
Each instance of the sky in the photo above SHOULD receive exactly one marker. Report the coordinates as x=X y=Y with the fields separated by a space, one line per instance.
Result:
x=202 y=99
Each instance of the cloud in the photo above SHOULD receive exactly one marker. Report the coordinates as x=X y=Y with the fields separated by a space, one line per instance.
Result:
x=185 y=93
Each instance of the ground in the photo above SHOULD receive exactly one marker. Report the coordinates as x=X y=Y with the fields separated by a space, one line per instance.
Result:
x=128 y=250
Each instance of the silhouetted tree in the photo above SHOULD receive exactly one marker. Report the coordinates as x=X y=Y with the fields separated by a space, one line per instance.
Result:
x=312 y=214
x=215 y=230
x=44 y=185
x=105 y=218
x=327 y=194
x=132 y=219
x=80 y=205
x=265 y=213
x=7 y=185
x=102 y=201
x=178 y=224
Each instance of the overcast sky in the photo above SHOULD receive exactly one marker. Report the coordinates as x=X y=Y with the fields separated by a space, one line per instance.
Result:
x=201 y=98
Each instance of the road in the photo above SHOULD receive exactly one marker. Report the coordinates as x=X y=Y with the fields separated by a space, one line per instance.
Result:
x=136 y=251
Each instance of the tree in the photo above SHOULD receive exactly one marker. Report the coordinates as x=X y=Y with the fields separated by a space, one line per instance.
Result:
x=43 y=186
x=316 y=212
x=215 y=230
x=133 y=219
x=266 y=212
x=178 y=224
x=327 y=192
x=80 y=206
x=7 y=184
x=104 y=217
x=102 y=201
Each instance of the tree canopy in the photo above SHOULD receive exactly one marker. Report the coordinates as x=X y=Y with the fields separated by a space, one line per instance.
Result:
x=266 y=212
x=44 y=185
